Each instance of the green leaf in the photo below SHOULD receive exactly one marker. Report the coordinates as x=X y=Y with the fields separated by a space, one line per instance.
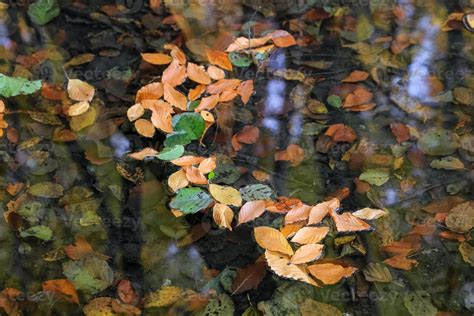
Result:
x=226 y=173
x=375 y=176
x=191 y=200
x=438 y=141
x=46 y=190
x=90 y=274
x=335 y=101
x=364 y=31
x=186 y=128
x=171 y=153
x=240 y=59
x=257 y=191
x=13 y=86
x=41 y=232
x=43 y=11
x=418 y=303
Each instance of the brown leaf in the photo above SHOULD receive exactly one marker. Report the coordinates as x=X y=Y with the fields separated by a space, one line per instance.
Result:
x=248 y=135
x=310 y=235
x=400 y=131
x=178 y=180
x=405 y=246
x=223 y=215
x=359 y=100
x=156 y=58
x=198 y=74
x=347 y=222
x=207 y=103
x=145 y=128
x=79 y=250
x=79 y=90
x=356 y=76
x=251 y=210
x=299 y=212
x=401 y=262
x=187 y=161
x=443 y=205
x=307 y=253
x=243 y=43
x=174 y=74
x=321 y=210
x=330 y=273
x=152 y=91
x=62 y=286
x=423 y=230
x=219 y=58
x=174 y=97
x=194 y=175
x=245 y=90
x=280 y=264
x=249 y=277
x=341 y=133
x=215 y=73
x=282 y=38
x=135 y=112
x=293 y=153
x=144 y=153
x=272 y=239
x=126 y=292
x=223 y=85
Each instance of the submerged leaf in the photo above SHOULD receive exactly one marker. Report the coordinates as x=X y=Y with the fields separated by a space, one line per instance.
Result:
x=13 y=86
x=191 y=200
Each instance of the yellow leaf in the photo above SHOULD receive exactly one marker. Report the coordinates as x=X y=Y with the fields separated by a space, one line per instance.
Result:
x=223 y=215
x=135 y=112
x=145 y=128
x=319 y=211
x=330 y=273
x=78 y=108
x=225 y=194
x=307 y=253
x=79 y=90
x=310 y=235
x=165 y=296
x=280 y=264
x=272 y=239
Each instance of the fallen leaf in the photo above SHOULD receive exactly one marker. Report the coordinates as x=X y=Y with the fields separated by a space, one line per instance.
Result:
x=177 y=54
x=423 y=230
x=293 y=153
x=272 y=239
x=135 y=112
x=330 y=273
x=245 y=90
x=78 y=108
x=405 y=246
x=144 y=153
x=356 y=76
x=219 y=58
x=80 y=249
x=443 y=205
x=198 y=74
x=347 y=222
x=207 y=165
x=225 y=194
x=195 y=93
x=222 y=85
x=307 y=253
x=156 y=58
x=178 y=180
x=244 y=43
x=400 y=131
x=251 y=210
x=341 y=133
x=161 y=118
x=187 y=161
x=248 y=135
x=310 y=235
x=207 y=103
x=321 y=210
x=215 y=73
x=174 y=74
x=359 y=100
x=282 y=38
x=299 y=212
x=145 y=128
x=401 y=262
x=467 y=253
x=280 y=264
x=174 y=97
x=452 y=236
x=152 y=91
x=194 y=175
x=376 y=272
x=249 y=277
x=369 y=213
x=223 y=215
x=126 y=292
x=62 y=286
x=79 y=90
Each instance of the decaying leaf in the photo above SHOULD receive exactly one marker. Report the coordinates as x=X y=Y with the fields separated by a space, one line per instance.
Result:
x=249 y=277
x=401 y=262
x=376 y=272
x=62 y=286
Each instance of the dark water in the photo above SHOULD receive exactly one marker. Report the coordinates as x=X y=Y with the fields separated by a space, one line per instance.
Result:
x=420 y=74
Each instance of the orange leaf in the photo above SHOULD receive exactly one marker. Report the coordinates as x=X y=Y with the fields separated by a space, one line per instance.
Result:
x=144 y=153
x=145 y=128
x=215 y=73
x=79 y=250
x=321 y=210
x=51 y=92
x=187 y=161
x=156 y=58
x=194 y=175
x=347 y=222
x=78 y=108
x=174 y=74
x=307 y=253
x=401 y=262
x=423 y=230
x=251 y=210
x=360 y=97
x=452 y=236
x=272 y=239
x=299 y=212
x=330 y=273
x=261 y=175
x=405 y=245
x=443 y=205
x=208 y=117
x=177 y=54
x=245 y=90
x=293 y=153
x=341 y=133
x=126 y=292
x=400 y=131
x=152 y=91
x=79 y=90
x=291 y=229
x=310 y=235
x=135 y=112
x=195 y=93
x=356 y=76
x=280 y=264
x=219 y=58
x=207 y=103
x=248 y=135
x=178 y=180
x=228 y=95
x=243 y=43
x=174 y=97
x=198 y=74
x=222 y=85
x=223 y=215
x=207 y=165
x=161 y=119
x=282 y=38
x=62 y=286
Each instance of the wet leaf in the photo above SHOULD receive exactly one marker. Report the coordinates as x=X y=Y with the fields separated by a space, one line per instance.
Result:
x=80 y=249
x=369 y=213
x=311 y=307
x=251 y=210
x=61 y=286
x=346 y=222
x=207 y=103
x=341 y=133
x=215 y=73
x=135 y=112
x=330 y=273
x=165 y=296
x=282 y=38
x=152 y=91
x=280 y=264
x=207 y=165
x=187 y=127
x=145 y=128
x=156 y=58
x=79 y=90
x=43 y=11
x=46 y=190
x=219 y=58
x=376 y=272
x=321 y=210
x=272 y=239
x=171 y=153
x=225 y=194
x=13 y=86
x=173 y=75
x=447 y=163
x=126 y=292
x=293 y=153
x=307 y=253
x=376 y=177
x=191 y=200
x=356 y=76
x=418 y=303
x=438 y=141
x=249 y=277
x=178 y=180
x=198 y=74
x=223 y=215
x=41 y=232
x=89 y=274
x=400 y=131
x=245 y=90
x=78 y=108
x=144 y=153
x=256 y=191
x=461 y=217
x=244 y=43
x=401 y=262
x=467 y=253
x=299 y=212
x=310 y=235
x=174 y=97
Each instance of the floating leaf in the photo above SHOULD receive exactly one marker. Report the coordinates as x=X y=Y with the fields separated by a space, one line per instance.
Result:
x=447 y=163
x=135 y=112
x=144 y=153
x=145 y=128
x=467 y=253
x=311 y=307
x=63 y=287
x=187 y=127
x=307 y=253
x=330 y=273
x=240 y=59
x=171 y=153
x=156 y=58
x=334 y=101
x=173 y=76
x=225 y=194
x=293 y=153
x=321 y=210
x=347 y=222
x=299 y=212
x=280 y=264
x=90 y=274
x=191 y=200
x=43 y=11
x=80 y=249
x=223 y=215
x=198 y=74
x=377 y=176
x=310 y=235
x=78 y=108
x=219 y=58
x=165 y=296
x=13 y=86
x=41 y=232
x=251 y=210
x=401 y=262
x=178 y=180
x=174 y=97
x=79 y=90
x=461 y=217
x=272 y=239
x=356 y=76
x=46 y=190
x=369 y=213
x=418 y=303
x=341 y=133
x=376 y=272
x=257 y=191
x=249 y=277
x=438 y=142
